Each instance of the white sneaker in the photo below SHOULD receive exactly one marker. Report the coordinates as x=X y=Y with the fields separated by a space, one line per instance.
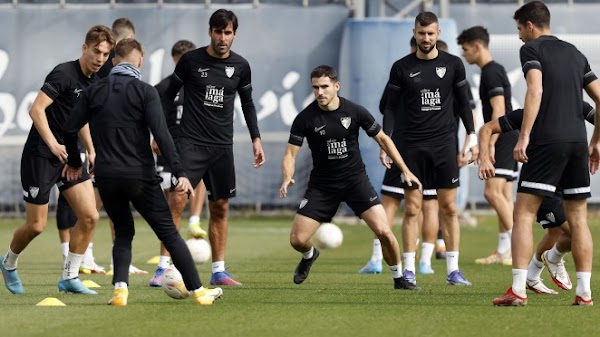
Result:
x=133 y=270
x=558 y=272
x=538 y=287
x=91 y=268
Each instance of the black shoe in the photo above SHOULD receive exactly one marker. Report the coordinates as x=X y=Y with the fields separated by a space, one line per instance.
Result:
x=440 y=253
x=402 y=283
x=303 y=268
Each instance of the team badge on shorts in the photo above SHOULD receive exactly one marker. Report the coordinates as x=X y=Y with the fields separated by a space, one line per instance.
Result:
x=33 y=191
x=440 y=71
x=229 y=71
x=303 y=202
x=346 y=121
x=174 y=180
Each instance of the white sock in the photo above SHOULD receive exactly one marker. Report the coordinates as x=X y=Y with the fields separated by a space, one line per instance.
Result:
x=440 y=243
x=163 y=261
x=197 y=290
x=88 y=256
x=519 y=279
x=218 y=267
x=409 y=261
x=10 y=260
x=377 y=253
x=396 y=270
x=71 y=266
x=583 y=284
x=308 y=254
x=534 y=271
x=554 y=255
x=64 y=247
x=451 y=262
x=504 y=244
x=120 y=285
x=194 y=220
x=426 y=253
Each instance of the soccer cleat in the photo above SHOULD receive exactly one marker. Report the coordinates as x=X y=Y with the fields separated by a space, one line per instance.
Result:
x=510 y=299
x=558 y=272
x=457 y=278
x=303 y=268
x=425 y=269
x=403 y=283
x=119 y=298
x=11 y=279
x=409 y=276
x=92 y=268
x=372 y=267
x=495 y=258
x=538 y=287
x=133 y=270
x=156 y=281
x=195 y=231
x=223 y=278
x=75 y=286
x=580 y=300
x=207 y=296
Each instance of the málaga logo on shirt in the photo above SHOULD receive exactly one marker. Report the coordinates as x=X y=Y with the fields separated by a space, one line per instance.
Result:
x=440 y=71
x=346 y=121
x=229 y=71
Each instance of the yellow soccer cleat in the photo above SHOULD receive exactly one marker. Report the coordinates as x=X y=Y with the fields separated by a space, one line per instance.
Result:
x=207 y=296
x=119 y=297
x=195 y=231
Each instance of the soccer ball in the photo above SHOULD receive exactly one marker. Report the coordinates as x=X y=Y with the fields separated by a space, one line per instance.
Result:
x=328 y=236
x=200 y=250
x=173 y=284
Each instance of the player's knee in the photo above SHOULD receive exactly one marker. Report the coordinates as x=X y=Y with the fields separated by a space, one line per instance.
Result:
x=492 y=195
x=448 y=209
x=412 y=210
x=36 y=227
x=89 y=219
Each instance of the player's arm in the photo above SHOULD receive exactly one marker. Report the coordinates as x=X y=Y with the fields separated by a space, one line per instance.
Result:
x=387 y=145
x=288 y=167
x=486 y=161
x=86 y=139
x=593 y=90
x=498 y=110
x=40 y=121
x=78 y=118
x=249 y=111
x=461 y=94
x=532 y=68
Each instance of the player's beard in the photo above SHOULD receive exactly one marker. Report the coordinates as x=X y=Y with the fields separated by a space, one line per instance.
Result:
x=424 y=50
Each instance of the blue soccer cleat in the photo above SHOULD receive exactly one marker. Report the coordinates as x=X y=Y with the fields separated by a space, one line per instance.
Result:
x=372 y=267
x=425 y=269
x=458 y=279
x=75 y=286
x=156 y=281
x=223 y=278
x=11 y=279
x=409 y=276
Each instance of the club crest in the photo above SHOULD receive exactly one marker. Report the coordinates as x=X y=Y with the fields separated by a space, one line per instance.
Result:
x=303 y=202
x=33 y=191
x=346 y=121
x=229 y=71
x=440 y=71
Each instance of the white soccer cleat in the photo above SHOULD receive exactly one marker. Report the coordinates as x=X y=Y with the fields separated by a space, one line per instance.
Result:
x=538 y=287
x=558 y=272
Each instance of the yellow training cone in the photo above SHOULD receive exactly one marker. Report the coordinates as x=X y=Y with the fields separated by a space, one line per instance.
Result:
x=90 y=284
x=50 y=302
x=153 y=260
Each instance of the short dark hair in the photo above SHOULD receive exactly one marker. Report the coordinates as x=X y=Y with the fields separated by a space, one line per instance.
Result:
x=181 y=47
x=126 y=46
x=221 y=18
x=473 y=34
x=324 y=71
x=536 y=12
x=121 y=27
x=413 y=41
x=425 y=19
x=98 y=34
x=441 y=44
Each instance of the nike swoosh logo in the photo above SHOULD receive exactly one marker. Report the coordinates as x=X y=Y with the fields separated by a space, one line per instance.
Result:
x=454 y=180
x=203 y=70
x=373 y=198
x=414 y=74
x=317 y=129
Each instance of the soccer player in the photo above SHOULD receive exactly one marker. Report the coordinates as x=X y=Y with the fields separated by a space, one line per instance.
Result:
x=557 y=240
x=122 y=28
x=42 y=162
x=173 y=113
x=553 y=150
x=330 y=125
x=423 y=88
x=122 y=111
x=495 y=95
x=211 y=76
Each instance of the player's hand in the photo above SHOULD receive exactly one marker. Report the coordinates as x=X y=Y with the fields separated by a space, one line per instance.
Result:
x=474 y=154
x=462 y=159
x=184 y=186
x=284 y=187
x=259 y=155
x=520 y=150
x=155 y=148
x=72 y=173
x=594 y=157
x=385 y=160
x=412 y=180
x=91 y=157
x=60 y=151
x=486 y=168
